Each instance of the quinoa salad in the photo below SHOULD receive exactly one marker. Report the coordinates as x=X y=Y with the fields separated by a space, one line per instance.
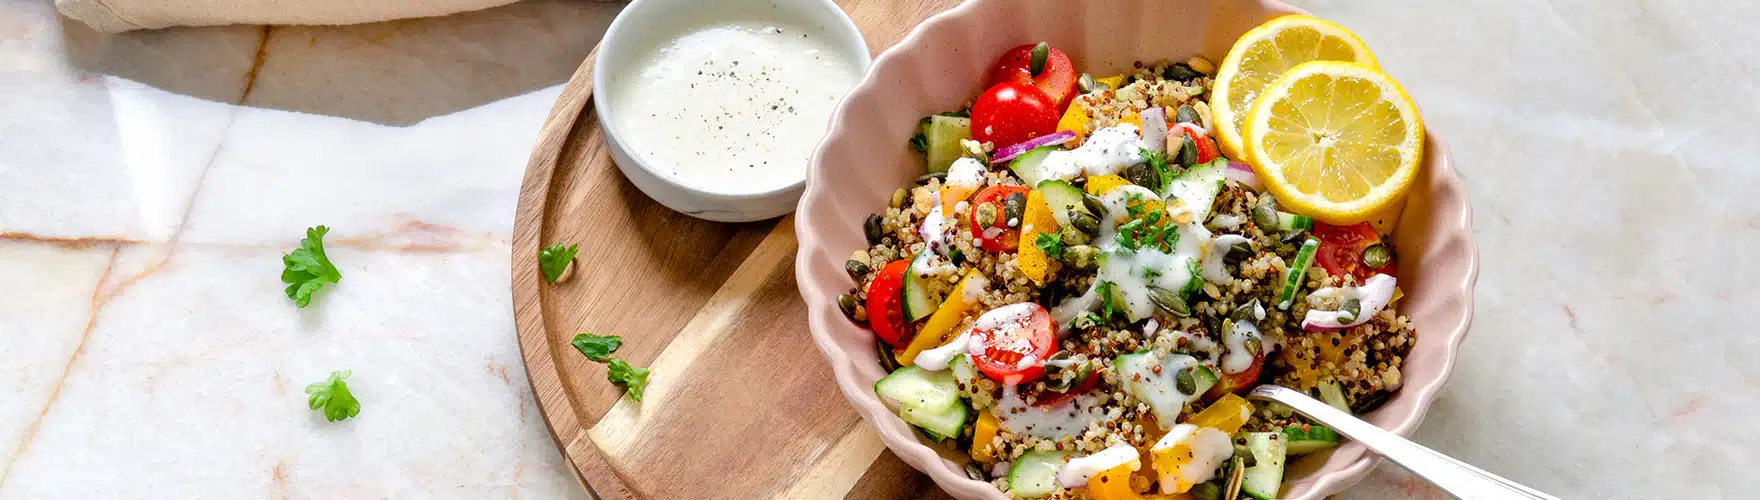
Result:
x=1081 y=286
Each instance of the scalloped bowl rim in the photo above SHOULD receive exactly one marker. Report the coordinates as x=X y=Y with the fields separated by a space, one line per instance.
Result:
x=909 y=448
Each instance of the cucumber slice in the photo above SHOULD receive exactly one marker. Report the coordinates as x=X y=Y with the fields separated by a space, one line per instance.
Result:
x=1265 y=477
x=1313 y=438
x=1035 y=474
x=943 y=134
x=921 y=295
x=1332 y=395
x=1028 y=164
x=938 y=425
x=1198 y=187
x=1292 y=278
x=963 y=369
x=914 y=387
x=1062 y=197
x=1292 y=222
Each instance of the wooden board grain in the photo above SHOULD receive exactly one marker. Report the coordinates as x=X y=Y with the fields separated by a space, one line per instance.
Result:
x=739 y=404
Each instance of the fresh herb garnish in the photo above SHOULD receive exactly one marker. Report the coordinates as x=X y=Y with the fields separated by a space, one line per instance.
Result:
x=1107 y=308
x=632 y=379
x=920 y=141
x=554 y=259
x=597 y=347
x=1051 y=244
x=332 y=396
x=307 y=269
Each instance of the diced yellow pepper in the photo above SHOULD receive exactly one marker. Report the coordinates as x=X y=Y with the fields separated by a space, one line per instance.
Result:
x=951 y=195
x=1112 y=484
x=983 y=432
x=1133 y=119
x=1100 y=184
x=940 y=328
x=1227 y=414
x=1397 y=293
x=1075 y=120
x=1113 y=82
x=1037 y=220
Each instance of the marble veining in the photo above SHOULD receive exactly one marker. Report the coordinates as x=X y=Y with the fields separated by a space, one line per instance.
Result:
x=150 y=181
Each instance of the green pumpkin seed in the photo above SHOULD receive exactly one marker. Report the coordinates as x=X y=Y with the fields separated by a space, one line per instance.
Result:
x=1180 y=72
x=1082 y=257
x=872 y=227
x=887 y=360
x=1246 y=455
x=852 y=307
x=1351 y=309
x=1170 y=301
x=1245 y=312
x=1185 y=114
x=925 y=178
x=1237 y=470
x=1086 y=224
x=1184 y=382
x=1207 y=491
x=899 y=196
x=975 y=472
x=1014 y=208
x=1089 y=85
x=1072 y=236
x=856 y=269
x=1143 y=174
x=985 y=215
x=1093 y=205
x=1188 y=152
x=1377 y=255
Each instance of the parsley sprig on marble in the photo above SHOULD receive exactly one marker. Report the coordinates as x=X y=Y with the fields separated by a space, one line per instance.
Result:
x=333 y=397
x=598 y=348
x=307 y=268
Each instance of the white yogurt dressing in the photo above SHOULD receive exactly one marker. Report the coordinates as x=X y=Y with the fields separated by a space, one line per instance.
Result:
x=733 y=108
x=1239 y=357
x=1213 y=269
x=1077 y=471
x=1130 y=272
x=1106 y=151
x=1065 y=419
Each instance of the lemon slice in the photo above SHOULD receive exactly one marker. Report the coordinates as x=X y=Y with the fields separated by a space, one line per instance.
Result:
x=1337 y=141
x=1263 y=54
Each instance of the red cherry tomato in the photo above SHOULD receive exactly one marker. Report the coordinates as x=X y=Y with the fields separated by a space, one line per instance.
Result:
x=1003 y=347
x=1057 y=80
x=1206 y=148
x=996 y=237
x=1237 y=382
x=1011 y=112
x=1341 y=250
x=886 y=304
x=1049 y=398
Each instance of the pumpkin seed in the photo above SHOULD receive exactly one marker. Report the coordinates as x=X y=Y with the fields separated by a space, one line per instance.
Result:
x=860 y=256
x=1371 y=402
x=1143 y=174
x=1188 y=152
x=1265 y=212
x=887 y=360
x=1246 y=455
x=852 y=307
x=1377 y=255
x=1093 y=205
x=975 y=472
x=1014 y=208
x=925 y=178
x=1180 y=72
x=856 y=269
x=1073 y=236
x=1201 y=65
x=899 y=196
x=1246 y=312
x=872 y=227
x=1086 y=224
x=1082 y=257
x=1089 y=85
x=986 y=215
x=1184 y=382
x=1350 y=310
x=1237 y=470
x=1206 y=491
x=1170 y=301
x=1185 y=114
x=1239 y=251
x=1036 y=64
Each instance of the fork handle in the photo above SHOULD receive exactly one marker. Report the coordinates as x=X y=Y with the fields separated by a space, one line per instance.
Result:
x=1453 y=476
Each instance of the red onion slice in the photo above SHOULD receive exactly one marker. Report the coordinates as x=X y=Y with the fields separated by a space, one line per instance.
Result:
x=1009 y=153
x=1243 y=174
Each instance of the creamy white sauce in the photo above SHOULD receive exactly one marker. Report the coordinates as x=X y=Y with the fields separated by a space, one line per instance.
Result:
x=966 y=173
x=1158 y=388
x=1133 y=272
x=1239 y=356
x=1373 y=296
x=1105 y=151
x=937 y=359
x=1208 y=448
x=1226 y=221
x=733 y=108
x=1068 y=418
x=1213 y=269
x=1077 y=471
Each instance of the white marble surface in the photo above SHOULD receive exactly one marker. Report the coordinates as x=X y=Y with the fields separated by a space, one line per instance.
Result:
x=148 y=351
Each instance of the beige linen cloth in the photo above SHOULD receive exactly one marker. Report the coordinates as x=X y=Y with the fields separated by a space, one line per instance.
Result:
x=123 y=15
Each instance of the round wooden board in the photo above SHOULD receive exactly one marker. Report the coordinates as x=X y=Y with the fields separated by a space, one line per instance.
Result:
x=739 y=404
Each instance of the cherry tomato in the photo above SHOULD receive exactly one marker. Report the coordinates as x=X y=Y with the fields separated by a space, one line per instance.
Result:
x=1206 y=148
x=1237 y=382
x=886 y=304
x=1341 y=250
x=1011 y=112
x=996 y=237
x=1057 y=79
x=1002 y=348
x=1049 y=398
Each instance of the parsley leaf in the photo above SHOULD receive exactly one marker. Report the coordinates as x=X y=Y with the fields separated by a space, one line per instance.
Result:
x=1127 y=234
x=307 y=268
x=597 y=347
x=1107 y=308
x=1051 y=244
x=333 y=397
x=632 y=379
x=920 y=141
x=554 y=259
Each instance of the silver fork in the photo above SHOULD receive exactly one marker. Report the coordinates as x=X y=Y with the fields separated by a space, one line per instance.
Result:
x=1453 y=476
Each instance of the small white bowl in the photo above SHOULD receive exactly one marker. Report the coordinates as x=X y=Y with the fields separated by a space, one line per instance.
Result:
x=646 y=24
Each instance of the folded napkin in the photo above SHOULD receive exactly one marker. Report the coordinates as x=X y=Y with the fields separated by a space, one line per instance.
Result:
x=123 y=15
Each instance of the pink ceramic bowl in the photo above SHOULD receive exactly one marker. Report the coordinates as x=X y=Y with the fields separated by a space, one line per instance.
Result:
x=942 y=65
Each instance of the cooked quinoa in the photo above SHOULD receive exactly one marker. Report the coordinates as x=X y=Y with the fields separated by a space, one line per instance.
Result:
x=1362 y=361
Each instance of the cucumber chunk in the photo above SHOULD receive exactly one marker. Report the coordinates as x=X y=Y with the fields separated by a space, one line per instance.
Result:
x=938 y=425
x=1062 y=198
x=1198 y=187
x=942 y=135
x=1293 y=277
x=1305 y=439
x=1332 y=395
x=1292 y=222
x=914 y=387
x=1029 y=165
x=1035 y=474
x=1265 y=477
x=921 y=294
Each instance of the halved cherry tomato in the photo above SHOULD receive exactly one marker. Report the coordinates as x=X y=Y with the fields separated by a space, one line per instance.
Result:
x=1057 y=79
x=1341 y=250
x=996 y=237
x=1011 y=112
x=1049 y=398
x=1003 y=348
x=886 y=304
x=1206 y=148
x=1237 y=382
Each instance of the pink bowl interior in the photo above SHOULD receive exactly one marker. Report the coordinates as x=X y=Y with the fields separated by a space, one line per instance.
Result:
x=942 y=65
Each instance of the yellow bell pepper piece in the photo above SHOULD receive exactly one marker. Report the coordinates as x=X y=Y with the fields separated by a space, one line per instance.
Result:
x=940 y=328
x=1100 y=184
x=1036 y=221
x=1227 y=414
x=1112 y=484
x=951 y=195
x=983 y=432
x=1075 y=119
x=1113 y=82
x=1133 y=119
